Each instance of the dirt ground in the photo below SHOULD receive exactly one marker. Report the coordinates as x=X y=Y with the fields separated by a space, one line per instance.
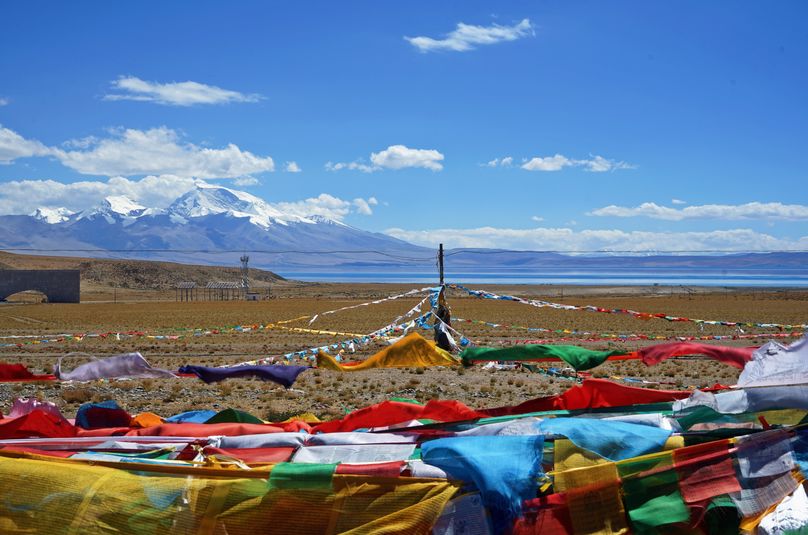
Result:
x=330 y=394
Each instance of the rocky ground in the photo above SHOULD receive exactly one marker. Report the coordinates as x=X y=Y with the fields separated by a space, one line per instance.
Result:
x=330 y=394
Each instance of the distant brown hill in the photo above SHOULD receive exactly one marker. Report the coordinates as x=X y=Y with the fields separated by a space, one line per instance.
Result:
x=136 y=274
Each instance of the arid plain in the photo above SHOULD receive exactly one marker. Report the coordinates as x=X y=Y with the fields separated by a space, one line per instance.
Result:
x=328 y=394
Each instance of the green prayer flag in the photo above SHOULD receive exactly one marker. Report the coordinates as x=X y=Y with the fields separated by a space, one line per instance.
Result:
x=233 y=416
x=652 y=499
x=722 y=516
x=301 y=476
x=579 y=358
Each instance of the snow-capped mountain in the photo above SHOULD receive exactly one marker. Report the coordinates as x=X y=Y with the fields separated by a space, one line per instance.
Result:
x=52 y=215
x=115 y=208
x=208 y=199
x=214 y=225
x=198 y=227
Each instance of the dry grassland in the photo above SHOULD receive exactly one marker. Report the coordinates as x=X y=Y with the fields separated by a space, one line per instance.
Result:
x=330 y=394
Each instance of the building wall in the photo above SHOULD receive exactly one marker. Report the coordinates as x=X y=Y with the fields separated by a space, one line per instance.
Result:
x=60 y=285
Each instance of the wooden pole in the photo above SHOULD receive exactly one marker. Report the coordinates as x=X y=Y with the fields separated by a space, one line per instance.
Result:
x=440 y=262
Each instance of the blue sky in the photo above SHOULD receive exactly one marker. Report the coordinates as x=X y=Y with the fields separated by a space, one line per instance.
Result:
x=537 y=125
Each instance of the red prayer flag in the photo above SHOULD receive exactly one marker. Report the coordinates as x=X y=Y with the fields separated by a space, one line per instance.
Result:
x=385 y=469
x=734 y=356
x=548 y=515
x=389 y=413
x=36 y=423
x=592 y=394
x=705 y=471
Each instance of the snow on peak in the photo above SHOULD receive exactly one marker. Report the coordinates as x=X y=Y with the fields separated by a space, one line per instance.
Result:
x=325 y=220
x=204 y=200
x=115 y=208
x=123 y=205
x=52 y=215
x=210 y=199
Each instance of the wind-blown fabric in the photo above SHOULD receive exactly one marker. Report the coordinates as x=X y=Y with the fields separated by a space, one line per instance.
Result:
x=286 y=439
x=389 y=413
x=505 y=469
x=790 y=516
x=233 y=416
x=612 y=440
x=751 y=400
x=734 y=356
x=43 y=496
x=775 y=378
x=369 y=453
x=776 y=364
x=359 y=438
x=118 y=366
x=209 y=430
x=652 y=501
x=192 y=417
x=714 y=483
x=277 y=373
x=579 y=358
x=411 y=351
x=23 y=406
x=101 y=415
x=591 y=394
x=19 y=372
x=36 y=424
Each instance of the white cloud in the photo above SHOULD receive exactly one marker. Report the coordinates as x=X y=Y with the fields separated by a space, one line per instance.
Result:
x=245 y=181
x=595 y=164
x=353 y=166
x=327 y=206
x=752 y=210
x=507 y=161
x=81 y=143
x=292 y=167
x=468 y=36
x=599 y=164
x=159 y=151
x=678 y=201
x=363 y=206
x=394 y=157
x=536 y=218
x=129 y=152
x=25 y=196
x=566 y=239
x=13 y=146
x=400 y=157
x=547 y=163
x=175 y=93
x=4 y=101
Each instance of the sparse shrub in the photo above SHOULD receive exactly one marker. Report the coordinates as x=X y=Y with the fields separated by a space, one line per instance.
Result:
x=77 y=395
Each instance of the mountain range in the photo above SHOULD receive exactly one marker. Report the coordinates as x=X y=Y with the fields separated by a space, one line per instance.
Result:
x=208 y=224
x=212 y=224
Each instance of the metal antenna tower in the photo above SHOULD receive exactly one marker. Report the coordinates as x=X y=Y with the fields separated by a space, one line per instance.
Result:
x=245 y=273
